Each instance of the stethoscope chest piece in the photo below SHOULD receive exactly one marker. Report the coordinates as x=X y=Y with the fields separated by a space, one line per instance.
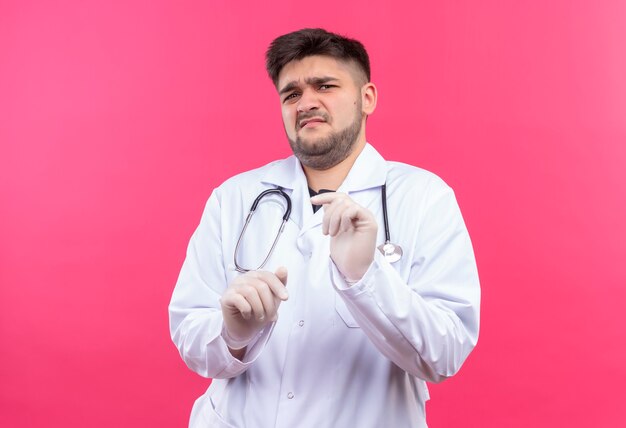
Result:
x=391 y=252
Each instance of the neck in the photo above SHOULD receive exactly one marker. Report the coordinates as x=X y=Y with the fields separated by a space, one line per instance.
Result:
x=332 y=178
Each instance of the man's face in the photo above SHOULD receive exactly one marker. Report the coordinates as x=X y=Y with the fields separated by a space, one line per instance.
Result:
x=322 y=109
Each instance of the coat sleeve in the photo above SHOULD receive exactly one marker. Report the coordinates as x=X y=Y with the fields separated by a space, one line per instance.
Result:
x=429 y=325
x=195 y=314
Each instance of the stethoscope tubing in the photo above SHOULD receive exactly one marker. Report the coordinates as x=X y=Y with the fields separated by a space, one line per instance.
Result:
x=385 y=218
x=387 y=248
x=255 y=204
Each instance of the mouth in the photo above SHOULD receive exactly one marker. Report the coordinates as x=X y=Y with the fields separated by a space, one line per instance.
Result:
x=311 y=122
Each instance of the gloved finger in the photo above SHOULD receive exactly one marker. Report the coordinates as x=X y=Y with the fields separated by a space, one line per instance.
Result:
x=329 y=201
x=274 y=283
x=329 y=221
x=348 y=218
x=326 y=198
x=268 y=300
x=236 y=303
x=334 y=222
x=281 y=273
x=250 y=292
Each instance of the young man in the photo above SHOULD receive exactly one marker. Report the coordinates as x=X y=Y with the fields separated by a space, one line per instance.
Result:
x=330 y=332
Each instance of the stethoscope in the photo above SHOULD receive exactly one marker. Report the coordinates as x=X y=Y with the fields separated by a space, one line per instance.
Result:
x=391 y=252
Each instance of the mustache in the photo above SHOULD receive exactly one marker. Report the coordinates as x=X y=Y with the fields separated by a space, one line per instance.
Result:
x=311 y=115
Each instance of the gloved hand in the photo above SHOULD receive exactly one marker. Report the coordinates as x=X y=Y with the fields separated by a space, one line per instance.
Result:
x=352 y=229
x=250 y=303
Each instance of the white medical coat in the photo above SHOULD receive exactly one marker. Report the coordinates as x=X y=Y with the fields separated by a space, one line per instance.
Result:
x=338 y=356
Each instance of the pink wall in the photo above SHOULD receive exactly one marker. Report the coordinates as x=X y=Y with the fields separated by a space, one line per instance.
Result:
x=118 y=118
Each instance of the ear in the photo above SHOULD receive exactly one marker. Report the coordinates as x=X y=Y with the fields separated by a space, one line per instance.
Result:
x=369 y=96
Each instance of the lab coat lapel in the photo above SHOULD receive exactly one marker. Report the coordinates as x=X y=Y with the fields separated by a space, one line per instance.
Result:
x=369 y=171
x=311 y=219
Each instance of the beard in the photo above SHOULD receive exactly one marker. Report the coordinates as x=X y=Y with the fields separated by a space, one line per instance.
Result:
x=326 y=152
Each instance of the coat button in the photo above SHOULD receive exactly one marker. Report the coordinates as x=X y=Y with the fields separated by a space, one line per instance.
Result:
x=290 y=395
x=301 y=323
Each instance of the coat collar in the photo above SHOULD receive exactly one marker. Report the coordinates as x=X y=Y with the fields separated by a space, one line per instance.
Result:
x=369 y=170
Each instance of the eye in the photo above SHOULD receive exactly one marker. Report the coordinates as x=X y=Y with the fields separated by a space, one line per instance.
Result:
x=291 y=96
x=325 y=87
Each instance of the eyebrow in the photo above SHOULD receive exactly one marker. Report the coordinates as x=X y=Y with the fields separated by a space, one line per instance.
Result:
x=315 y=81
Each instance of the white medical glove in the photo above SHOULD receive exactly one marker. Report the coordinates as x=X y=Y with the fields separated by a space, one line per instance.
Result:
x=352 y=229
x=250 y=303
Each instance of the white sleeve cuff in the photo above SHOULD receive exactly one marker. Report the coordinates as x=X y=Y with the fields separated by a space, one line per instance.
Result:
x=255 y=347
x=340 y=283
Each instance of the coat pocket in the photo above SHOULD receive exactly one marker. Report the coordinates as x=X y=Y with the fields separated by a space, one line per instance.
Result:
x=204 y=414
x=344 y=313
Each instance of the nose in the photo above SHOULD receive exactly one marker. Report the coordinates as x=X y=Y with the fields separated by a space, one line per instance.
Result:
x=308 y=101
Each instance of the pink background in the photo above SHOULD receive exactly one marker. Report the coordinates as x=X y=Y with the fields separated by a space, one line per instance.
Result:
x=118 y=118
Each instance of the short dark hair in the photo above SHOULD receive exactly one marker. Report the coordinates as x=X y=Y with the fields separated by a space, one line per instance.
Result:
x=314 y=41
